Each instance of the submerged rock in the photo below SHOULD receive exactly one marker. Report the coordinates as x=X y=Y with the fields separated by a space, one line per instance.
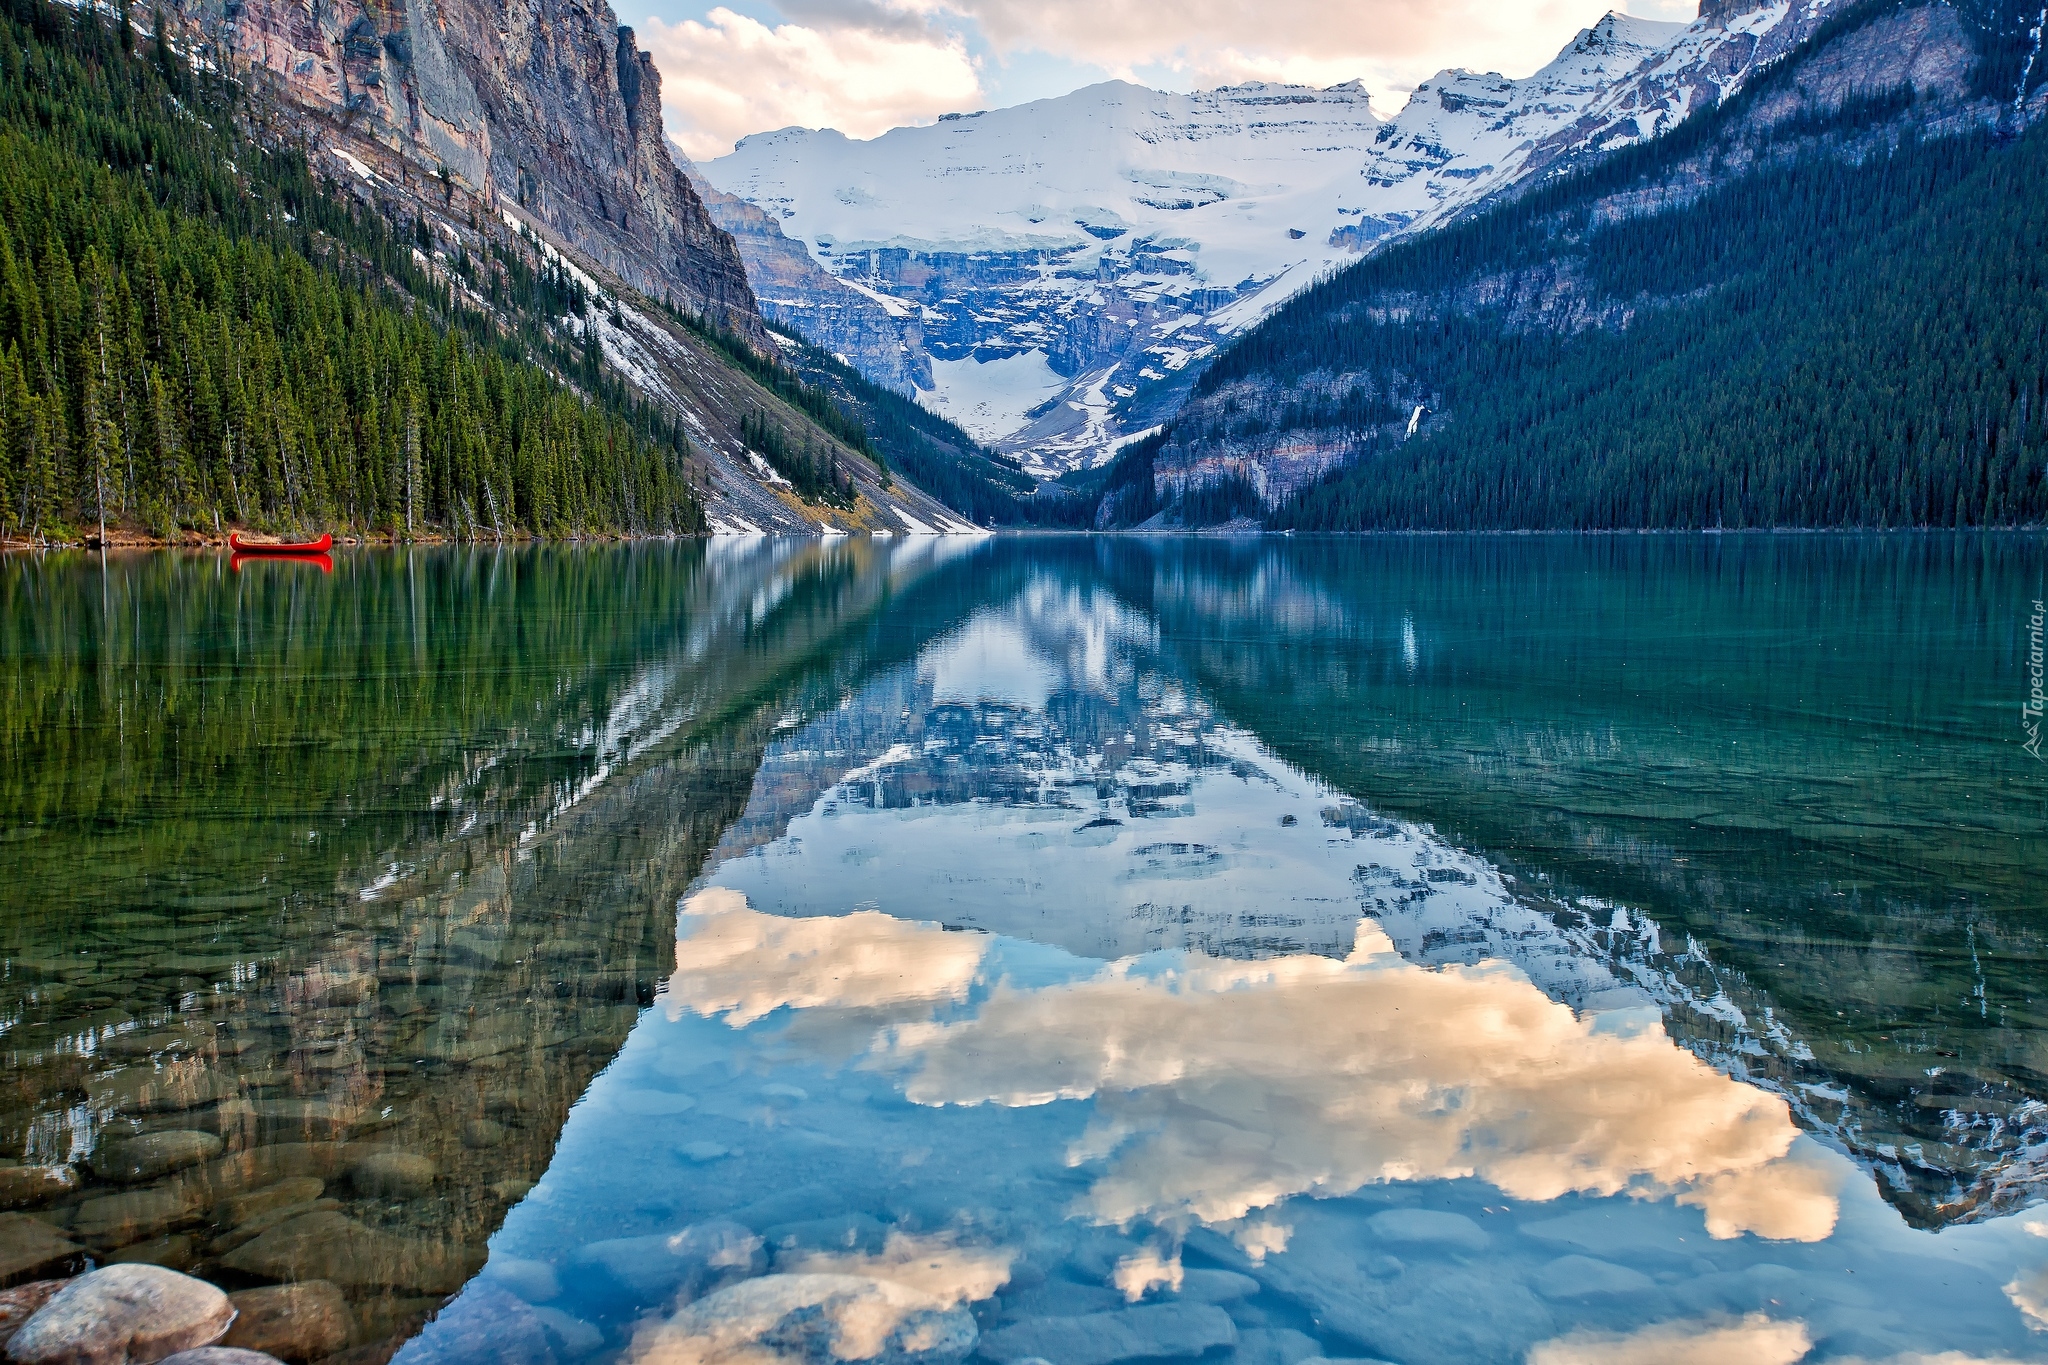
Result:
x=1160 y=1329
x=393 y=1175
x=482 y=1133
x=24 y=1187
x=1274 y=1346
x=143 y=1090
x=840 y=1232
x=247 y=1232
x=332 y=1246
x=290 y=1321
x=1428 y=1227
x=310 y=1121
x=123 y=1313
x=174 y=1252
x=1442 y=1312
x=1216 y=1286
x=220 y=1355
x=153 y=1155
x=1060 y=1299
x=691 y=1262
x=576 y=1337
x=811 y=1320
x=19 y=1304
x=279 y=1161
x=293 y=1190
x=30 y=1248
x=133 y=1215
x=484 y=1323
x=533 y=1281
x=1583 y=1277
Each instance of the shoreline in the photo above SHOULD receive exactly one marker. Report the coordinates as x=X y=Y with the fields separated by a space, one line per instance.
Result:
x=118 y=540
x=378 y=541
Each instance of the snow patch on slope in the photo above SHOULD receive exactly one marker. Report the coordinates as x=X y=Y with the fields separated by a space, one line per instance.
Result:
x=988 y=399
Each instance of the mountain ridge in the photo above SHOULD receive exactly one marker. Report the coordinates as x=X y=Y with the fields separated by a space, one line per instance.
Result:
x=1737 y=324
x=532 y=129
x=1017 y=312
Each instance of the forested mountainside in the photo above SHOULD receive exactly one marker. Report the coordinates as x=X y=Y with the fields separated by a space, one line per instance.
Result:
x=192 y=330
x=199 y=326
x=548 y=116
x=1820 y=303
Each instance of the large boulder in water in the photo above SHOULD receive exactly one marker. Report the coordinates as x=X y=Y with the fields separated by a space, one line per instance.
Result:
x=644 y=1271
x=120 y=1314
x=811 y=1320
x=1149 y=1332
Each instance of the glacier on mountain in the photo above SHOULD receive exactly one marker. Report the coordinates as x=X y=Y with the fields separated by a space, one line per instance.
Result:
x=1055 y=271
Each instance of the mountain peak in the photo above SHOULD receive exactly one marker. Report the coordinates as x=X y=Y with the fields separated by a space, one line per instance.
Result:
x=1616 y=31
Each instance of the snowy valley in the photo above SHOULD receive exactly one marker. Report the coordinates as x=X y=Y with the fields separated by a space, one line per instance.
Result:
x=1050 y=276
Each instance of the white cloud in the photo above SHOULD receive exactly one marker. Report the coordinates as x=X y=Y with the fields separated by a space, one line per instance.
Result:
x=1386 y=1072
x=731 y=75
x=934 y=1265
x=865 y=66
x=2029 y=1294
x=1754 y=1340
x=839 y=1317
x=1389 y=42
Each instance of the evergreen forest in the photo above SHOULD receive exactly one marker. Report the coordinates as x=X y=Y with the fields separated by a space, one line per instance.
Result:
x=194 y=330
x=813 y=474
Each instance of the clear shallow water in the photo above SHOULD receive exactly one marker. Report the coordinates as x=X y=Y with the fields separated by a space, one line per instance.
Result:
x=1418 y=950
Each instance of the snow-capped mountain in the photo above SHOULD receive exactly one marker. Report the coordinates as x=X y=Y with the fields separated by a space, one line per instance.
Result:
x=1052 y=256
x=1464 y=135
x=1053 y=270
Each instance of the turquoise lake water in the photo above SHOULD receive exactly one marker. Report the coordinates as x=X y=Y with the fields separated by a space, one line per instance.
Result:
x=1061 y=949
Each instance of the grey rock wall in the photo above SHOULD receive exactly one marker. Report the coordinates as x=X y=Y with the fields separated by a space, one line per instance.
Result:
x=550 y=105
x=796 y=293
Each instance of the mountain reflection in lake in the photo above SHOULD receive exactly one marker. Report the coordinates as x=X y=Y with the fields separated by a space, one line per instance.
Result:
x=1542 y=950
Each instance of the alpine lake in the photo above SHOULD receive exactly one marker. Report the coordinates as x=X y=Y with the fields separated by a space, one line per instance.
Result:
x=1040 y=949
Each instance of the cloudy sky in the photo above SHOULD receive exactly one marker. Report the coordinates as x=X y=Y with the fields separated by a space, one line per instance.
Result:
x=865 y=66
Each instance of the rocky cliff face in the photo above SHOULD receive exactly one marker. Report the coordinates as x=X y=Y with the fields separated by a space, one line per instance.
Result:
x=546 y=104
x=879 y=336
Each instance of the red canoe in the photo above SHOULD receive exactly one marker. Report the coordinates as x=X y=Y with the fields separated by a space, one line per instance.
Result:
x=280 y=547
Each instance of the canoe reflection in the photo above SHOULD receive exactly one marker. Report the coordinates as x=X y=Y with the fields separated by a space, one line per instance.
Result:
x=322 y=561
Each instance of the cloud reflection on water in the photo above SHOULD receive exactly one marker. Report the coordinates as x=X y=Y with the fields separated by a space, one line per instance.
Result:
x=1755 y=1340
x=1223 y=1087
x=932 y=1264
x=737 y=963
